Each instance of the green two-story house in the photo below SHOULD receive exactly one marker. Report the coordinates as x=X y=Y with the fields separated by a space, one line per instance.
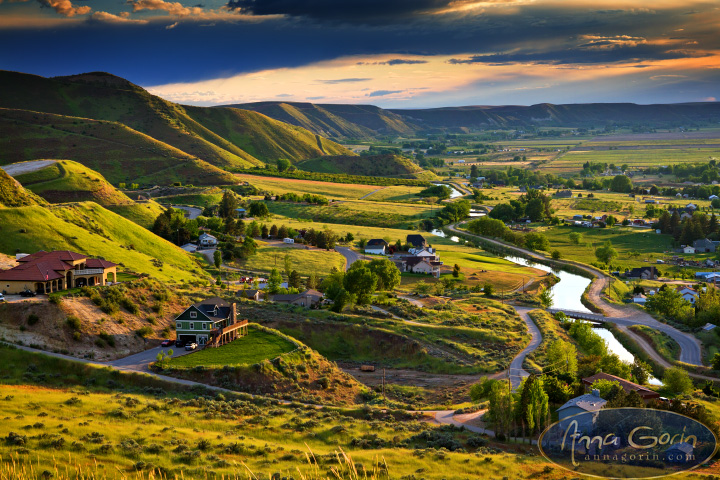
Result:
x=202 y=321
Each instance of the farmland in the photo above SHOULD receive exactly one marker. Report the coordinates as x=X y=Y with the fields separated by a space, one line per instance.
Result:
x=306 y=262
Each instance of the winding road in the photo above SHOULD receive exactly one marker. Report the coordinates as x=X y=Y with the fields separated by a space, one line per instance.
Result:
x=622 y=315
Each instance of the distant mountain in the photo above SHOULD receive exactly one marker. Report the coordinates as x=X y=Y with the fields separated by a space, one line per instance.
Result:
x=370 y=165
x=345 y=121
x=367 y=121
x=223 y=138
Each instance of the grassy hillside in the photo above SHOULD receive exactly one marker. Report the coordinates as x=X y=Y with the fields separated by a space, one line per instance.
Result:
x=349 y=121
x=142 y=213
x=92 y=230
x=222 y=137
x=262 y=137
x=126 y=155
x=12 y=194
x=372 y=165
x=67 y=181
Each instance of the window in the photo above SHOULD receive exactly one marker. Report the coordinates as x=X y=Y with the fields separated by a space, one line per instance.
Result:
x=192 y=326
x=204 y=326
x=179 y=325
x=193 y=314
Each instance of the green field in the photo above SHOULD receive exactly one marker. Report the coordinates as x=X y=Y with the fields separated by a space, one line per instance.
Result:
x=255 y=347
x=304 y=261
x=396 y=194
x=328 y=189
x=636 y=159
x=92 y=230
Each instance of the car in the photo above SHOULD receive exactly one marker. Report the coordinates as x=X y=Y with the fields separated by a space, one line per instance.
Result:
x=28 y=293
x=191 y=346
x=2 y=298
x=167 y=343
x=179 y=343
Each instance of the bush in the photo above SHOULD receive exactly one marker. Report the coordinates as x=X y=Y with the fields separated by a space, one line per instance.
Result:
x=32 y=319
x=73 y=322
x=145 y=331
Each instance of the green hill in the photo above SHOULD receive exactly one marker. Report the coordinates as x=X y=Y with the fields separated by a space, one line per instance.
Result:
x=12 y=194
x=68 y=181
x=90 y=229
x=348 y=121
x=101 y=96
x=368 y=165
x=118 y=152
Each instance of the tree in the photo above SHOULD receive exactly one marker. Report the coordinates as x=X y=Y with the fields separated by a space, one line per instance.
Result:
x=274 y=231
x=561 y=357
x=667 y=301
x=481 y=390
x=546 y=297
x=217 y=258
x=556 y=254
x=283 y=164
x=163 y=358
x=487 y=226
x=258 y=210
x=504 y=212
x=360 y=281
x=248 y=247
x=388 y=275
x=557 y=391
x=456 y=271
x=610 y=221
x=228 y=204
x=605 y=386
x=274 y=281
x=621 y=183
x=536 y=241
x=488 y=289
x=716 y=361
x=575 y=238
x=264 y=231
x=607 y=253
x=474 y=172
x=294 y=279
x=641 y=371
x=422 y=288
x=533 y=403
x=312 y=281
x=501 y=407
x=342 y=298
x=677 y=380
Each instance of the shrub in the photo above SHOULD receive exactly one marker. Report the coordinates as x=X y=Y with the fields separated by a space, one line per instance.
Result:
x=145 y=331
x=73 y=322
x=32 y=319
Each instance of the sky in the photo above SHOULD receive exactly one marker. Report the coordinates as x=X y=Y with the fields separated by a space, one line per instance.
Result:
x=390 y=53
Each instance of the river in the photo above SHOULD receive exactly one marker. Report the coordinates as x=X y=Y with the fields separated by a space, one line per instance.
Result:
x=566 y=295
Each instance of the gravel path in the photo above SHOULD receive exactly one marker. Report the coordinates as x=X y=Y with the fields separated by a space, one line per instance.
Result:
x=26 y=167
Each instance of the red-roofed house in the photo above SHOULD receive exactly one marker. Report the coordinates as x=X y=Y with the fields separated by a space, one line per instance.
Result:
x=645 y=393
x=47 y=272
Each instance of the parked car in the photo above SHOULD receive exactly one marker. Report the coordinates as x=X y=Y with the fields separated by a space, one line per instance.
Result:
x=167 y=343
x=191 y=346
x=28 y=293
x=179 y=343
x=2 y=298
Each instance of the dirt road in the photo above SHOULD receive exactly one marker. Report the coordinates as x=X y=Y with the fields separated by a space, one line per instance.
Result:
x=19 y=168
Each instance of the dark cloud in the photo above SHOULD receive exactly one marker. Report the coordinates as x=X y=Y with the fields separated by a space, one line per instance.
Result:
x=344 y=80
x=345 y=11
x=395 y=61
x=382 y=93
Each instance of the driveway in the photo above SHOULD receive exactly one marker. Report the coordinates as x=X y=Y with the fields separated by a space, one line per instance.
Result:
x=140 y=361
x=190 y=212
x=350 y=255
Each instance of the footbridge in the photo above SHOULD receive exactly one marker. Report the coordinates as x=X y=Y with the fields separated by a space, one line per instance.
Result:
x=593 y=317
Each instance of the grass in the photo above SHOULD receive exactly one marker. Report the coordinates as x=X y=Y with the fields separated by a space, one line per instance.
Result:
x=68 y=181
x=255 y=347
x=374 y=165
x=396 y=194
x=284 y=185
x=551 y=331
x=636 y=159
x=304 y=261
x=142 y=213
x=661 y=342
x=92 y=230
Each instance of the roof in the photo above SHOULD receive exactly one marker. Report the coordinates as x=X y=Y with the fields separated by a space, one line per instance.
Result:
x=291 y=297
x=214 y=308
x=588 y=402
x=417 y=240
x=376 y=242
x=99 y=263
x=627 y=385
x=683 y=447
x=703 y=242
x=62 y=255
x=249 y=293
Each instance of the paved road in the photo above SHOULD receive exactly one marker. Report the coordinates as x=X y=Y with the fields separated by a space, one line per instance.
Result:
x=367 y=195
x=140 y=362
x=517 y=372
x=26 y=167
x=350 y=255
x=624 y=315
x=190 y=212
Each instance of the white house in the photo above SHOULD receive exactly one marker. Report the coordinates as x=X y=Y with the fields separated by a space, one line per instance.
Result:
x=425 y=252
x=376 y=246
x=688 y=294
x=640 y=299
x=207 y=240
x=713 y=197
x=689 y=249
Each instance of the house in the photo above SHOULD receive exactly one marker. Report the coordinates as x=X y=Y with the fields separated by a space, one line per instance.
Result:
x=688 y=293
x=47 y=272
x=713 y=197
x=240 y=212
x=690 y=206
x=423 y=265
x=590 y=402
x=212 y=321
x=189 y=247
x=417 y=241
x=641 y=273
x=577 y=217
x=640 y=299
x=207 y=241
x=308 y=298
x=688 y=249
x=645 y=393
x=679 y=452
x=426 y=252
x=376 y=246
x=704 y=245
x=708 y=327
x=250 y=293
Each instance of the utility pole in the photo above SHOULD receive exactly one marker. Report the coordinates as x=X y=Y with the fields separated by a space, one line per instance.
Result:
x=383 y=387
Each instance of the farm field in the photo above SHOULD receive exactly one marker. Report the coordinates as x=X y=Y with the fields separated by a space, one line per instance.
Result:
x=396 y=194
x=328 y=189
x=572 y=161
x=306 y=262
x=255 y=347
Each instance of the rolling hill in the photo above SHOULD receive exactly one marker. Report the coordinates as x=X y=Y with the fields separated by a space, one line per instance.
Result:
x=12 y=194
x=68 y=181
x=370 y=165
x=343 y=121
x=107 y=98
x=367 y=121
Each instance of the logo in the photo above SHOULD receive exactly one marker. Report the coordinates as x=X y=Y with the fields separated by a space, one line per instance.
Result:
x=628 y=443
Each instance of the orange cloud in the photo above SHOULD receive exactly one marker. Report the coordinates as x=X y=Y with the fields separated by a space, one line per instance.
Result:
x=65 y=7
x=122 y=17
x=173 y=8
